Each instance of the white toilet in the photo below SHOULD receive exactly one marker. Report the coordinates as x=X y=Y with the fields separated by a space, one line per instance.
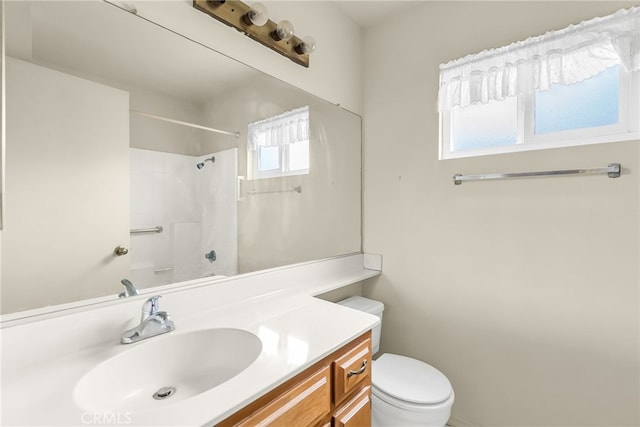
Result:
x=406 y=392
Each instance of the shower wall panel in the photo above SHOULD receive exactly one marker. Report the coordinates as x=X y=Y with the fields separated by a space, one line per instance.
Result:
x=196 y=209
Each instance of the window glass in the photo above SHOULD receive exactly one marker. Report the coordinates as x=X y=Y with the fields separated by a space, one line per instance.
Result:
x=485 y=125
x=299 y=156
x=269 y=159
x=590 y=103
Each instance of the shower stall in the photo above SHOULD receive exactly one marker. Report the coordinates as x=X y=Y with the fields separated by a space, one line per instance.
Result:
x=184 y=222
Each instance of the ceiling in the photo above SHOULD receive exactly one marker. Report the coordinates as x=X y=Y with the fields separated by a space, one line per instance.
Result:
x=369 y=12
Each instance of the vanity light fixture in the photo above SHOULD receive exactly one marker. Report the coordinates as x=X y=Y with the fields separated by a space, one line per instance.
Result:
x=284 y=31
x=257 y=15
x=307 y=46
x=253 y=22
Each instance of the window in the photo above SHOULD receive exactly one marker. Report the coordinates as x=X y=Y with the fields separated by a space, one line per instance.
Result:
x=279 y=145
x=550 y=91
x=494 y=124
x=591 y=103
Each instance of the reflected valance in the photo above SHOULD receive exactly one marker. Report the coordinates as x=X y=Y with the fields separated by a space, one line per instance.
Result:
x=566 y=56
x=286 y=128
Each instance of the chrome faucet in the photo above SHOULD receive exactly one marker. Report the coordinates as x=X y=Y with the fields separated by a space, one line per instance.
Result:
x=152 y=322
x=129 y=289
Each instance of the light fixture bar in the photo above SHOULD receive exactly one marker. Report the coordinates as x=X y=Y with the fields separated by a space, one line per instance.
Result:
x=232 y=13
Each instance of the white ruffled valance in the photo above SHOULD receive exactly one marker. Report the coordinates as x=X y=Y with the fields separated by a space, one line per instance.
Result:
x=286 y=128
x=567 y=56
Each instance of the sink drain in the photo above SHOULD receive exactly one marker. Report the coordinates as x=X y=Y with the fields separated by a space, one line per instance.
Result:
x=164 y=393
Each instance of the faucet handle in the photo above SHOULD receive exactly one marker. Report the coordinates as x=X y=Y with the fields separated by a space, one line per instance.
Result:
x=150 y=306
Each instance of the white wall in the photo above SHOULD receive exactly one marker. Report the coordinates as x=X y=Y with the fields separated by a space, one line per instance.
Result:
x=525 y=293
x=335 y=68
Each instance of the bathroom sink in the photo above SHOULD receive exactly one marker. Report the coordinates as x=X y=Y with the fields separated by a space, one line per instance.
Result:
x=166 y=369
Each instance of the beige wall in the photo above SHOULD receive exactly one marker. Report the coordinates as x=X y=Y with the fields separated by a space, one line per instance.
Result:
x=279 y=226
x=525 y=293
x=152 y=134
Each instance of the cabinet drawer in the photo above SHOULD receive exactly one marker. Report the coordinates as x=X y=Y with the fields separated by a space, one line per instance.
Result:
x=352 y=369
x=356 y=412
x=302 y=405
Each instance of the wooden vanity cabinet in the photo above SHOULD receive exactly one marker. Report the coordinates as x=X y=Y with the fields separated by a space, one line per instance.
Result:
x=356 y=412
x=333 y=392
x=304 y=404
x=351 y=369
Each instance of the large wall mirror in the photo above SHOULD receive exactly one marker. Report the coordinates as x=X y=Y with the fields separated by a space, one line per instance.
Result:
x=111 y=143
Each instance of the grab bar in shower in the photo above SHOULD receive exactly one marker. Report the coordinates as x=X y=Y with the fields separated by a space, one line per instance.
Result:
x=612 y=171
x=156 y=229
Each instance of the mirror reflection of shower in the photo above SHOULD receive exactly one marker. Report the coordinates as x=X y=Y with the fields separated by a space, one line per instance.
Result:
x=196 y=215
x=202 y=164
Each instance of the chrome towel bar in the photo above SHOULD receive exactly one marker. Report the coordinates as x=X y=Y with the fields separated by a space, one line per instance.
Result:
x=612 y=171
x=156 y=229
x=296 y=189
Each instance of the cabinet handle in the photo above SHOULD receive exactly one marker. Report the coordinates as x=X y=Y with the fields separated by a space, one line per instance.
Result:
x=359 y=371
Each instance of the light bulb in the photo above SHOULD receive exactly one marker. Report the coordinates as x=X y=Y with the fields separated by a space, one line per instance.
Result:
x=284 y=30
x=257 y=15
x=307 y=46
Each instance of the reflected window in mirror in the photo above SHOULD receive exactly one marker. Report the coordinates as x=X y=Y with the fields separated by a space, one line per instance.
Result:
x=279 y=145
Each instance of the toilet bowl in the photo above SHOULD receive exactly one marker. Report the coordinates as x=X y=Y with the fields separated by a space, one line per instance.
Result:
x=406 y=392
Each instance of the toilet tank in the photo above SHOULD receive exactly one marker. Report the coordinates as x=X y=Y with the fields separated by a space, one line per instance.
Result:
x=368 y=306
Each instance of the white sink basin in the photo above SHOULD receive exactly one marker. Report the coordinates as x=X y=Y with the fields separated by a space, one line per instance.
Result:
x=166 y=369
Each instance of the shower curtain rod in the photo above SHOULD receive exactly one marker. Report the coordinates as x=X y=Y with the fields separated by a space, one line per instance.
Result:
x=180 y=122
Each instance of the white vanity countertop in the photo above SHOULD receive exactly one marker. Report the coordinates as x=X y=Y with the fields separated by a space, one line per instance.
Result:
x=40 y=375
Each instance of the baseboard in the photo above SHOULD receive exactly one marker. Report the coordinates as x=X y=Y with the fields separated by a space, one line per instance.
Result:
x=459 y=422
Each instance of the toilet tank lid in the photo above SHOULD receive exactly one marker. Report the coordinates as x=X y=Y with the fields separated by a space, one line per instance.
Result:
x=363 y=304
x=410 y=380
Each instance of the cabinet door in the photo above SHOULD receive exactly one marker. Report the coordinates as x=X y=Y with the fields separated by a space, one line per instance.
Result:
x=352 y=370
x=302 y=405
x=356 y=412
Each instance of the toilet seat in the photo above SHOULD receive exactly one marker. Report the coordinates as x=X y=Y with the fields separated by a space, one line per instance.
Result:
x=412 y=407
x=409 y=383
